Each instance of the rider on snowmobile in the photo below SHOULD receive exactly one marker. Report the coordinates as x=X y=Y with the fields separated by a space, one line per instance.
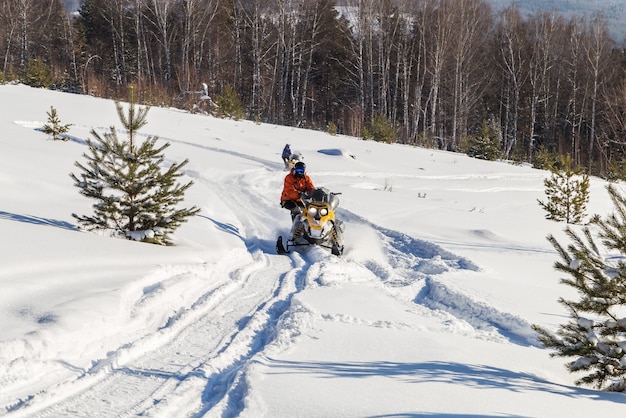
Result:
x=286 y=155
x=296 y=182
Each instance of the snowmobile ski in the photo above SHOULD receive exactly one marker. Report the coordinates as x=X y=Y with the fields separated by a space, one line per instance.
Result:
x=280 y=248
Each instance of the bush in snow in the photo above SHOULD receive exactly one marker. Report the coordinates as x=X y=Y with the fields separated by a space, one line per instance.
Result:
x=229 y=105
x=595 y=336
x=545 y=159
x=615 y=169
x=379 y=129
x=54 y=126
x=567 y=190
x=331 y=128
x=135 y=197
x=486 y=145
x=36 y=74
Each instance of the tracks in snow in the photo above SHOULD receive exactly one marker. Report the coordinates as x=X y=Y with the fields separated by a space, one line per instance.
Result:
x=193 y=362
x=196 y=362
x=197 y=366
x=416 y=265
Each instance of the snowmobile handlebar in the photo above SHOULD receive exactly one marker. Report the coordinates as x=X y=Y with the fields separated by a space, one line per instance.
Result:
x=309 y=194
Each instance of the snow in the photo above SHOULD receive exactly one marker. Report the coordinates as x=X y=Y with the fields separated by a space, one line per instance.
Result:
x=428 y=312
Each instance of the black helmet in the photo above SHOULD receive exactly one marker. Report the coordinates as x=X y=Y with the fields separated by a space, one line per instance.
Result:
x=299 y=169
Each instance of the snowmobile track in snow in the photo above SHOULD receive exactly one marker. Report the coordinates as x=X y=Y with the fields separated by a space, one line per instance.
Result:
x=198 y=358
x=409 y=260
x=236 y=317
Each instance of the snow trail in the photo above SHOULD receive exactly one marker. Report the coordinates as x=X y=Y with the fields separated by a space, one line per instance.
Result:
x=225 y=327
x=197 y=362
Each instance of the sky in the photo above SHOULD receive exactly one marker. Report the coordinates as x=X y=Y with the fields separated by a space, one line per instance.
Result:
x=427 y=313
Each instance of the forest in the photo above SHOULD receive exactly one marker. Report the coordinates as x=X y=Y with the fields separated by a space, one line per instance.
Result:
x=431 y=73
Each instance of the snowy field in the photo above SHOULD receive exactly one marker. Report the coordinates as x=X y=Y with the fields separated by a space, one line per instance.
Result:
x=427 y=313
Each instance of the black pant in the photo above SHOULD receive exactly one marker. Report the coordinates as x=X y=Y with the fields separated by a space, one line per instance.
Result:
x=294 y=206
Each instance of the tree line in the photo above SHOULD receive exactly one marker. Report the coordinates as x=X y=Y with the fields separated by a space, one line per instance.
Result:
x=431 y=71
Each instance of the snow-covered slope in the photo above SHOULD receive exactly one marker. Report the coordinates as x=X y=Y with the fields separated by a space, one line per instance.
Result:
x=427 y=313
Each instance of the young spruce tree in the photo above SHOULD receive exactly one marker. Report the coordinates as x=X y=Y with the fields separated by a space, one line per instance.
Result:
x=135 y=196
x=54 y=126
x=486 y=145
x=567 y=190
x=595 y=336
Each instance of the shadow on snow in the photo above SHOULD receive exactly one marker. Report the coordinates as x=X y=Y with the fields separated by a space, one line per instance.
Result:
x=477 y=376
x=36 y=220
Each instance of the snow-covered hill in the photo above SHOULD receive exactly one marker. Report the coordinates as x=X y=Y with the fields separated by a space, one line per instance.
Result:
x=427 y=313
x=613 y=10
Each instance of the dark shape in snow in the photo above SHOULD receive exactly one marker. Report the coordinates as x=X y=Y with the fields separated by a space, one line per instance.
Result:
x=47 y=318
x=37 y=220
x=338 y=152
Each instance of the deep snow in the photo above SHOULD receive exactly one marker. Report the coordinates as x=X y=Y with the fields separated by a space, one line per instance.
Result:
x=428 y=312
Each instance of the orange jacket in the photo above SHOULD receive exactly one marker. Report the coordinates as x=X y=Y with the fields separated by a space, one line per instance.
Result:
x=294 y=186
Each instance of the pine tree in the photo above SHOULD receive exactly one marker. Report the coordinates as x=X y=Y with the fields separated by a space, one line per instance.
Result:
x=54 y=126
x=595 y=336
x=229 y=105
x=379 y=129
x=135 y=197
x=486 y=145
x=567 y=190
x=37 y=74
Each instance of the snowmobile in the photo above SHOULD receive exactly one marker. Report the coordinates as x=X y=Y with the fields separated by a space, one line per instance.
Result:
x=316 y=224
x=294 y=158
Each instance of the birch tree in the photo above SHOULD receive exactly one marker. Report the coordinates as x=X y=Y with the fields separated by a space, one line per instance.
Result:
x=511 y=40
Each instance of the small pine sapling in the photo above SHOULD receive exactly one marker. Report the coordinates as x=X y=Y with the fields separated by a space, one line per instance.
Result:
x=486 y=145
x=54 y=126
x=229 y=105
x=595 y=336
x=567 y=190
x=136 y=196
x=379 y=129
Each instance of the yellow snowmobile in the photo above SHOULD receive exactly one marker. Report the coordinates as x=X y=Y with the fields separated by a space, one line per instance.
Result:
x=294 y=158
x=316 y=224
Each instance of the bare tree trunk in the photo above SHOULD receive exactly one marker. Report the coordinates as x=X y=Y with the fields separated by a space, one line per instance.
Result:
x=512 y=41
x=310 y=44
x=161 y=12
x=284 y=44
x=471 y=20
x=574 y=115
x=442 y=30
x=366 y=26
x=357 y=47
x=114 y=13
x=9 y=28
x=419 y=49
x=252 y=19
x=541 y=61
x=138 y=16
x=596 y=51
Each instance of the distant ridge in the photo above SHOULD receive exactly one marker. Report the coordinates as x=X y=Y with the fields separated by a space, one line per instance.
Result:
x=613 y=10
x=72 y=5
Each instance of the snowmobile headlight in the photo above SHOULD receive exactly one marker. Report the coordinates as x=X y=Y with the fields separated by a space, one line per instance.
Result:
x=312 y=211
x=323 y=211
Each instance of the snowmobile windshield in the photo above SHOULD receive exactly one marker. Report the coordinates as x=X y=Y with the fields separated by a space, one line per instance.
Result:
x=319 y=196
